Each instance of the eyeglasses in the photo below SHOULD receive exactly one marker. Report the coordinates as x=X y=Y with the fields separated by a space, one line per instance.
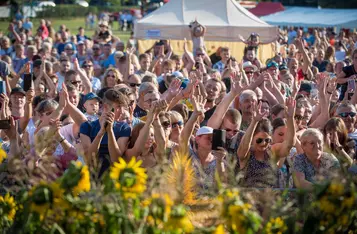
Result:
x=346 y=114
x=166 y=124
x=134 y=85
x=235 y=131
x=179 y=123
x=75 y=82
x=266 y=140
x=298 y=117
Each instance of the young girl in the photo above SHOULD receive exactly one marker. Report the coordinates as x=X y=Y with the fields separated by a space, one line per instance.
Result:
x=197 y=33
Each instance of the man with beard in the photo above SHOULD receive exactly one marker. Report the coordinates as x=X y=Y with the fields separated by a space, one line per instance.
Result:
x=213 y=89
x=228 y=119
x=247 y=101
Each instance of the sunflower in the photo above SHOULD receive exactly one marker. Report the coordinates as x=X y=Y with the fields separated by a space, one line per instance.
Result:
x=160 y=207
x=129 y=178
x=83 y=184
x=7 y=207
x=178 y=221
x=276 y=225
x=3 y=154
x=47 y=199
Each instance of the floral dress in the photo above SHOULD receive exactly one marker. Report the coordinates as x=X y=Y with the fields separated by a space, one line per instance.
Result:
x=328 y=163
x=260 y=174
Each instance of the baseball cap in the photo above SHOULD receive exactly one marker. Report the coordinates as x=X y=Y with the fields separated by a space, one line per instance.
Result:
x=80 y=43
x=204 y=131
x=17 y=90
x=283 y=67
x=119 y=54
x=37 y=63
x=272 y=64
x=91 y=96
x=305 y=87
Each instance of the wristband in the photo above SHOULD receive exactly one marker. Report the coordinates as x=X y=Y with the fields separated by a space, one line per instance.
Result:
x=62 y=140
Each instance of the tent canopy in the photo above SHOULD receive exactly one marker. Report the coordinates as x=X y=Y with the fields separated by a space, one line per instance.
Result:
x=224 y=20
x=267 y=8
x=314 y=17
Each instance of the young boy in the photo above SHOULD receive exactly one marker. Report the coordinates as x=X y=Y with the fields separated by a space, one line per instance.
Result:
x=91 y=105
x=197 y=34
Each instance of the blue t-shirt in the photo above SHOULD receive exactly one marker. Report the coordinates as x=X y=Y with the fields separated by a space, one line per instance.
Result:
x=91 y=129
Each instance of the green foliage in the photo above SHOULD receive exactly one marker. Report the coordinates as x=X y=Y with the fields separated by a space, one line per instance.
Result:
x=63 y=10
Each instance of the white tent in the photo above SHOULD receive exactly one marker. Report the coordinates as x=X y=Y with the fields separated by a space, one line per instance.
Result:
x=224 y=20
x=314 y=17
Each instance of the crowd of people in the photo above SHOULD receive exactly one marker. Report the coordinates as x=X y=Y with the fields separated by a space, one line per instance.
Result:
x=288 y=122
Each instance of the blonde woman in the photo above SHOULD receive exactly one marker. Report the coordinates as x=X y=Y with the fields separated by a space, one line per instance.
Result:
x=111 y=78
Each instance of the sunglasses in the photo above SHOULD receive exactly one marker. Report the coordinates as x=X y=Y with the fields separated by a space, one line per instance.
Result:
x=266 y=140
x=111 y=76
x=166 y=124
x=87 y=66
x=199 y=55
x=134 y=85
x=76 y=82
x=346 y=114
x=179 y=123
x=249 y=72
x=298 y=117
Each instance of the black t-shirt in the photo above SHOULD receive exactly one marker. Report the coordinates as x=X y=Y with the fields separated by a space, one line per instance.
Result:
x=349 y=71
x=139 y=112
x=162 y=87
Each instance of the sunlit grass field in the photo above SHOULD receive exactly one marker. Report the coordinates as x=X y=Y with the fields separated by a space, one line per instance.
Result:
x=73 y=24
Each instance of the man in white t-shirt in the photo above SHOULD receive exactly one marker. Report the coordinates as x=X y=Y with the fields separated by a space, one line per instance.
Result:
x=65 y=66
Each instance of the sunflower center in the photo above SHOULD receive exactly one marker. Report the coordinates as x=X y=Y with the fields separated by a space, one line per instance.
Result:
x=127 y=178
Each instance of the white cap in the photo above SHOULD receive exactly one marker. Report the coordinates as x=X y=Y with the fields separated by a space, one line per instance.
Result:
x=178 y=74
x=249 y=64
x=204 y=131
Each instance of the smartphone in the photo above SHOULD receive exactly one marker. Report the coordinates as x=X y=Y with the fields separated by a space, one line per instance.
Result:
x=2 y=87
x=5 y=124
x=28 y=82
x=218 y=139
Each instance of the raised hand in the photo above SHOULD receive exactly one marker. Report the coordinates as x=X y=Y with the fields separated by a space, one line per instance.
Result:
x=290 y=104
x=30 y=94
x=4 y=100
x=76 y=64
x=295 y=88
x=236 y=87
x=257 y=113
x=198 y=103
x=220 y=153
x=12 y=131
x=63 y=97
x=185 y=45
x=152 y=112
x=174 y=88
